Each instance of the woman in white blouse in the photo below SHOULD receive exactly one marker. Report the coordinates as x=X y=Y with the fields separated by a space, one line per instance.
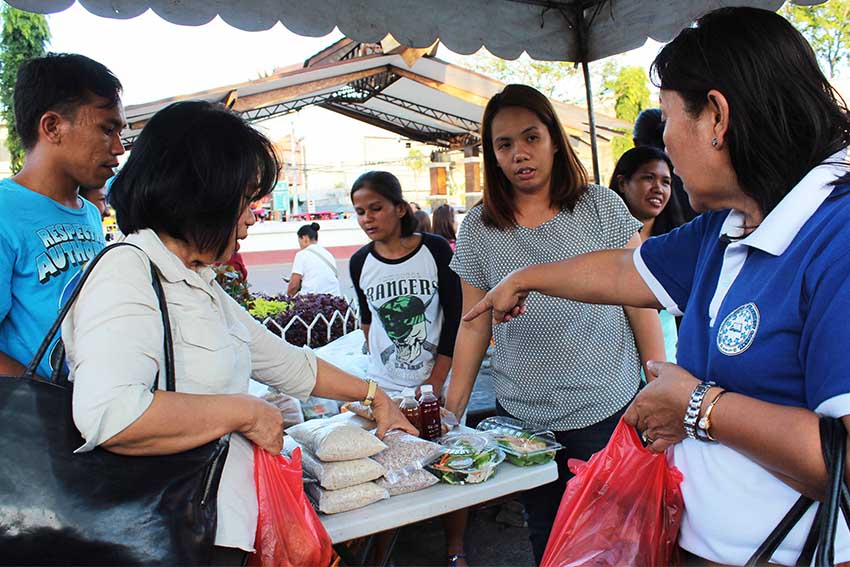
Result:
x=183 y=198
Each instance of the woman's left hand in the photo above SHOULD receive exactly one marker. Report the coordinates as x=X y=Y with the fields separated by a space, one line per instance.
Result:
x=389 y=416
x=659 y=409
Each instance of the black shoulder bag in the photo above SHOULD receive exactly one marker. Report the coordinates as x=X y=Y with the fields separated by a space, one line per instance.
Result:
x=820 y=543
x=57 y=507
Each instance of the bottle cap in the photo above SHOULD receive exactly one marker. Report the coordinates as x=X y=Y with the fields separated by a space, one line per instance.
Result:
x=426 y=389
x=408 y=393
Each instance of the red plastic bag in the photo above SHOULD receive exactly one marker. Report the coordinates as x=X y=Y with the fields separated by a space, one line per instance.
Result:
x=623 y=507
x=289 y=533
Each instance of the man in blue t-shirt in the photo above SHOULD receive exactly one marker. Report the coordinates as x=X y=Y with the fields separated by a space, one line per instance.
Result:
x=69 y=116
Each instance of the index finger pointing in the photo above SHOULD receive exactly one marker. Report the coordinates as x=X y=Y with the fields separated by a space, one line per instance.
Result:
x=477 y=310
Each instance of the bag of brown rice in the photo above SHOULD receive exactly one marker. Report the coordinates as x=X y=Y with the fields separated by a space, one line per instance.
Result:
x=406 y=453
x=404 y=483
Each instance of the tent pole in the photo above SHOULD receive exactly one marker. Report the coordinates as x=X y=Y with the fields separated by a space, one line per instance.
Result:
x=591 y=119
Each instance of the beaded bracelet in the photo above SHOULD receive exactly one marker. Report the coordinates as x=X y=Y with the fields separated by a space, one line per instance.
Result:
x=694 y=406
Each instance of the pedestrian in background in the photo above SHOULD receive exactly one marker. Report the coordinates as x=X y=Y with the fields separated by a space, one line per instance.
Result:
x=314 y=269
x=445 y=224
x=423 y=221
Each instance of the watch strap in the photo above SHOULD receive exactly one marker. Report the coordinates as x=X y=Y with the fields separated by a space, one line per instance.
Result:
x=370 y=394
x=693 y=410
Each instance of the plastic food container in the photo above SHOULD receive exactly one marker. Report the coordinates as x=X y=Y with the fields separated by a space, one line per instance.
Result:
x=523 y=444
x=470 y=458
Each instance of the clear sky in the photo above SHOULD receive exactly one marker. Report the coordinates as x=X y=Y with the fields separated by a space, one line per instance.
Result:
x=156 y=59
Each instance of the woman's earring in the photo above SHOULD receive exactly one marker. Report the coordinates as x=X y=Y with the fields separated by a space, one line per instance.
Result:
x=714 y=142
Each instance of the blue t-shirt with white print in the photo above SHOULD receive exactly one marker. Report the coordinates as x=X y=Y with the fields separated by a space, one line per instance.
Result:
x=43 y=248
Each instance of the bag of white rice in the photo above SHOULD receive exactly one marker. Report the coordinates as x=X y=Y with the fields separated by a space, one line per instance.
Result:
x=357 y=408
x=341 y=474
x=345 y=499
x=335 y=441
x=290 y=408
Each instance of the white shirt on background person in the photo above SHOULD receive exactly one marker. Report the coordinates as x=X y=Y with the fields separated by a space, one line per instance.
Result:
x=313 y=264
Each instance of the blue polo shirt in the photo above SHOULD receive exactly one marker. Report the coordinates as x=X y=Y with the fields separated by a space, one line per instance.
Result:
x=765 y=316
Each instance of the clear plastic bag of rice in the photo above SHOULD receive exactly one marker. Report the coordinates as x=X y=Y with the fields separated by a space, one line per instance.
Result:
x=333 y=441
x=345 y=499
x=341 y=474
x=290 y=408
x=404 y=483
x=357 y=408
x=405 y=454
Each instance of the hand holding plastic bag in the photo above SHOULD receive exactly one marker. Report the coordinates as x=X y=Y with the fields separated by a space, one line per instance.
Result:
x=289 y=533
x=623 y=507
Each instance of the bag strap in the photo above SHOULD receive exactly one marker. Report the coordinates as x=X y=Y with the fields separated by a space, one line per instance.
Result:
x=769 y=546
x=834 y=446
x=820 y=542
x=327 y=262
x=57 y=324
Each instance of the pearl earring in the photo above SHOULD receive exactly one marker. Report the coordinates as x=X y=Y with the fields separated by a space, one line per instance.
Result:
x=714 y=142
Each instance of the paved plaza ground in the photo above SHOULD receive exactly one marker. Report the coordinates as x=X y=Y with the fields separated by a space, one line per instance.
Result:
x=493 y=538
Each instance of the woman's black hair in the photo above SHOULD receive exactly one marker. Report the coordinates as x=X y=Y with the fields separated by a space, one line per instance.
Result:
x=311 y=231
x=192 y=171
x=388 y=186
x=444 y=222
x=649 y=128
x=423 y=221
x=671 y=216
x=784 y=117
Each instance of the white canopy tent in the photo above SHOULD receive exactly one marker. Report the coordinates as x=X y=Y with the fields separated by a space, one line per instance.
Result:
x=428 y=100
x=580 y=31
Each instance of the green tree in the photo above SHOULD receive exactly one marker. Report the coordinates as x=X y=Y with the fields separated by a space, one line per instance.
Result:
x=24 y=36
x=827 y=28
x=417 y=162
x=549 y=77
x=629 y=86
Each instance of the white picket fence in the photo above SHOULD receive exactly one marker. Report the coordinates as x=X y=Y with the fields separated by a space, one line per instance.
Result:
x=351 y=315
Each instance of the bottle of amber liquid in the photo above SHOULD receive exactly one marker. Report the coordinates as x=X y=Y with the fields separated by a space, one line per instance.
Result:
x=429 y=414
x=410 y=407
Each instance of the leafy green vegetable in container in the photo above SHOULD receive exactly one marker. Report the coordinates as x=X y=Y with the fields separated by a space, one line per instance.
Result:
x=469 y=459
x=523 y=444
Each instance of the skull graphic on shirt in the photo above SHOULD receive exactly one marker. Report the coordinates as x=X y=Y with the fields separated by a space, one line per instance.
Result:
x=406 y=325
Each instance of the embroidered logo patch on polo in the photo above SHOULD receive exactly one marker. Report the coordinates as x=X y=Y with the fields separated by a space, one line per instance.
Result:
x=738 y=330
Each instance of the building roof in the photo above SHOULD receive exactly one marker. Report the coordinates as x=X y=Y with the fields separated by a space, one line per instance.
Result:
x=406 y=91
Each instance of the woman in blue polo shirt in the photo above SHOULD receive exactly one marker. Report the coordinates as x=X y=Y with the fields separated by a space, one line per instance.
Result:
x=762 y=278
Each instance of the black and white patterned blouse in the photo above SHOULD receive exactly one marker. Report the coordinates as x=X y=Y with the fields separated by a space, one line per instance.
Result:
x=563 y=365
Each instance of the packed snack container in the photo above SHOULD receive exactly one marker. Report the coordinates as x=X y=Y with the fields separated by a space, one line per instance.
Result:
x=524 y=445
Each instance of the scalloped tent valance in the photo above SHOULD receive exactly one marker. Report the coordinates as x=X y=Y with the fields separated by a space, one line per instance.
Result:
x=557 y=30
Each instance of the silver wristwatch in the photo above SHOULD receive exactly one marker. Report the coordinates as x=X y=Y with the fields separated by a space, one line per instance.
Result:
x=694 y=405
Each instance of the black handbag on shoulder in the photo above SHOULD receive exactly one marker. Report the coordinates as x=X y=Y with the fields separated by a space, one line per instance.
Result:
x=98 y=507
x=820 y=543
